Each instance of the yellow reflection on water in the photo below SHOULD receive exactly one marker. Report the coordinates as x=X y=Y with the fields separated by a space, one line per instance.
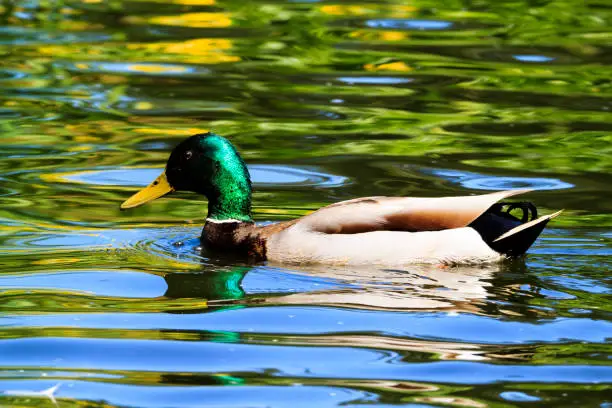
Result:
x=54 y=261
x=143 y=105
x=197 y=51
x=361 y=10
x=401 y=11
x=393 y=35
x=170 y=131
x=79 y=148
x=198 y=46
x=195 y=20
x=205 y=50
x=157 y=68
x=85 y=138
x=399 y=66
x=348 y=10
x=380 y=35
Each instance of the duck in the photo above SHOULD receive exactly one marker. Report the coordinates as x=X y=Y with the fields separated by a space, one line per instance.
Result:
x=379 y=230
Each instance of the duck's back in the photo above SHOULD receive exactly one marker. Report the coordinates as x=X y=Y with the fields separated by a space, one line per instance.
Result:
x=398 y=230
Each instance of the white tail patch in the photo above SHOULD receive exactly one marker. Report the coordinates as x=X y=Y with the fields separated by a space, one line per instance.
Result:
x=527 y=225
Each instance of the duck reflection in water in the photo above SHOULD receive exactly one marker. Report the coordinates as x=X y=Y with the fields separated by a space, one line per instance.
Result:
x=417 y=287
x=483 y=290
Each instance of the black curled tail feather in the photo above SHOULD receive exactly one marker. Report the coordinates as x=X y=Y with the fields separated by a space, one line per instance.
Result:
x=508 y=234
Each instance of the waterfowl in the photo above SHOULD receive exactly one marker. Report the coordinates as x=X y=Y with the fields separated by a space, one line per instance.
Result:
x=369 y=230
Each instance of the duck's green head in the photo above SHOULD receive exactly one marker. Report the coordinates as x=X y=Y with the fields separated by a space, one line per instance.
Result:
x=207 y=164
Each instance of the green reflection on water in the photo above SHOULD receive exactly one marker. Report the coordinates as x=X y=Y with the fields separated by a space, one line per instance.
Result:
x=391 y=98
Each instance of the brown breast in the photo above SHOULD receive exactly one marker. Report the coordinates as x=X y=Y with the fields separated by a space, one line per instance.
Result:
x=241 y=237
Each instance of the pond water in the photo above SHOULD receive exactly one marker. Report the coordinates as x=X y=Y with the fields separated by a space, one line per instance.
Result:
x=326 y=101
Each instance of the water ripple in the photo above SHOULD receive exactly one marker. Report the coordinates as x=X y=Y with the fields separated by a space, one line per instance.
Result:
x=481 y=182
x=331 y=101
x=261 y=174
x=210 y=394
x=328 y=320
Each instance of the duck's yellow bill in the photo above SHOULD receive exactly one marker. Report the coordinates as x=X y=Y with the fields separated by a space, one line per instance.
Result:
x=156 y=189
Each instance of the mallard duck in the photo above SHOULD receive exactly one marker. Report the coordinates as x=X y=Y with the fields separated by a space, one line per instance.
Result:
x=369 y=230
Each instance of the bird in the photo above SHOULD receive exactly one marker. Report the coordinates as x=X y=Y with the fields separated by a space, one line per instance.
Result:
x=379 y=230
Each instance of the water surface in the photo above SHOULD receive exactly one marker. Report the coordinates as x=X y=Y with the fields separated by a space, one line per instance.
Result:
x=326 y=101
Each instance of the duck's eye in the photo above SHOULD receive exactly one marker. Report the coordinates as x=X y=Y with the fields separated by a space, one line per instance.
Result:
x=188 y=154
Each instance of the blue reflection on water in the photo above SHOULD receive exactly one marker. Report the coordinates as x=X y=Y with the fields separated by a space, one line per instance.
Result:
x=270 y=280
x=375 y=80
x=481 y=182
x=102 y=283
x=313 y=320
x=533 y=58
x=518 y=396
x=219 y=395
x=12 y=35
x=140 y=68
x=291 y=361
x=410 y=24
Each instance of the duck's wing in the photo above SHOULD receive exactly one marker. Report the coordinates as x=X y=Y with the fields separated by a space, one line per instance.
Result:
x=399 y=231
x=402 y=213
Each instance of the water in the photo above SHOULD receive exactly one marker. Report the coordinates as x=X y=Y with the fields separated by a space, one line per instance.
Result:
x=326 y=101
